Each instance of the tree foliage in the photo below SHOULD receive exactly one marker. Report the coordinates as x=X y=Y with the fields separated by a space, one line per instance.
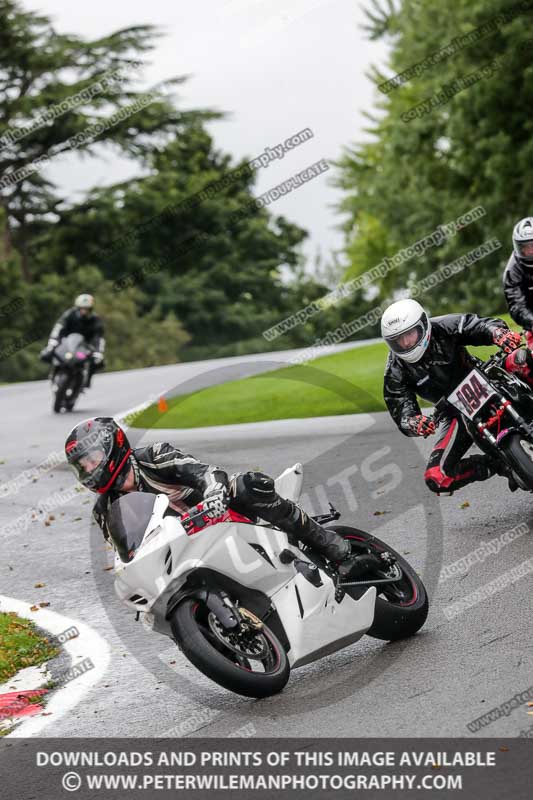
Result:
x=174 y=277
x=473 y=149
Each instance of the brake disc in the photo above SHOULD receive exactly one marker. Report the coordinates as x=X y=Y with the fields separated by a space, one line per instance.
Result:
x=255 y=648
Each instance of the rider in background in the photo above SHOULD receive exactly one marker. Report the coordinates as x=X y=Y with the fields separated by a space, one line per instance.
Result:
x=80 y=319
x=104 y=462
x=518 y=290
x=429 y=358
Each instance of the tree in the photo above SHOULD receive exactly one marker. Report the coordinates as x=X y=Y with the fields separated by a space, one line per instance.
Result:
x=214 y=261
x=470 y=147
x=61 y=92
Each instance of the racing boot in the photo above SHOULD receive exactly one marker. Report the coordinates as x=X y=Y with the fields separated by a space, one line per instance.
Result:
x=497 y=467
x=325 y=541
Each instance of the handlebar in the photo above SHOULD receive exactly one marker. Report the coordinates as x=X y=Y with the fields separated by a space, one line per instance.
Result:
x=496 y=358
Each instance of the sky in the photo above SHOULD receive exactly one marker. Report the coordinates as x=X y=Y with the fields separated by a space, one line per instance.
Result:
x=274 y=66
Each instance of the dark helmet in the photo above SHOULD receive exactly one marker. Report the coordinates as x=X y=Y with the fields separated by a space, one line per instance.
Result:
x=523 y=241
x=100 y=454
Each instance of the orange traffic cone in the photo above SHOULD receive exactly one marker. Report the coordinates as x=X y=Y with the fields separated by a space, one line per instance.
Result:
x=162 y=405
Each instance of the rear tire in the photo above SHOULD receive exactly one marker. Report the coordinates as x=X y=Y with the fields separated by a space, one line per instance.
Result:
x=393 y=619
x=519 y=454
x=217 y=664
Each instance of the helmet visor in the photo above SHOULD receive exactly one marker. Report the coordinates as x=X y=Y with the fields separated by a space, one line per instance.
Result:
x=90 y=458
x=406 y=341
x=525 y=248
x=90 y=467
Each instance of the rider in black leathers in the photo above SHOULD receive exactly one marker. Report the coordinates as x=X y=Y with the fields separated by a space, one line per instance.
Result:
x=105 y=463
x=437 y=372
x=518 y=290
x=81 y=319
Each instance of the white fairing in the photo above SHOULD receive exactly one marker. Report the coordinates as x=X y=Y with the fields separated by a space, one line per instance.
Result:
x=314 y=622
x=289 y=483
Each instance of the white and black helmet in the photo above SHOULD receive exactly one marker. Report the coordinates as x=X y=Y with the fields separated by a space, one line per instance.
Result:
x=406 y=328
x=523 y=241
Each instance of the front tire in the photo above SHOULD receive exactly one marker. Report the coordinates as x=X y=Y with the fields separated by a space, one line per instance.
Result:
x=519 y=454
x=192 y=626
x=402 y=608
x=61 y=381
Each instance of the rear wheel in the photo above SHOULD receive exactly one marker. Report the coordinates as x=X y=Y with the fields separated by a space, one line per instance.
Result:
x=402 y=606
x=519 y=454
x=250 y=661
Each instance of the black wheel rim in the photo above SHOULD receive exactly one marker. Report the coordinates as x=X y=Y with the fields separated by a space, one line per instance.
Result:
x=269 y=657
x=403 y=592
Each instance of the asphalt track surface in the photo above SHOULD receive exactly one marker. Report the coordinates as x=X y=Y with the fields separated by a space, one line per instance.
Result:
x=452 y=672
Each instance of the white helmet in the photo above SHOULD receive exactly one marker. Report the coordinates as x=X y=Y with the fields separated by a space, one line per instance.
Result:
x=406 y=328
x=84 y=301
x=523 y=241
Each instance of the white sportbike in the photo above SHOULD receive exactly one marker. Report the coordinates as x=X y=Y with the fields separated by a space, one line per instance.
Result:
x=243 y=601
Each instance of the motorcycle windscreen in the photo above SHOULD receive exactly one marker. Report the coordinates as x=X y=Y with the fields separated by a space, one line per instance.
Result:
x=127 y=521
x=71 y=343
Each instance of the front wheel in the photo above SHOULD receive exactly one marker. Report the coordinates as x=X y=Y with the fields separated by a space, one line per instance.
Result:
x=401 y=607
x=61 y=386
x=250 y=661
x=519 y=455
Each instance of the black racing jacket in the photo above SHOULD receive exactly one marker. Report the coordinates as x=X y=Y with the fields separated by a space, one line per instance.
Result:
x=90 y=327
x=518 y=290
x=442 y=367
x=162 y=469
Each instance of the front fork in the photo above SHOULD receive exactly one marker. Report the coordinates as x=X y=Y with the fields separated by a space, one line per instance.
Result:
x=494 y=441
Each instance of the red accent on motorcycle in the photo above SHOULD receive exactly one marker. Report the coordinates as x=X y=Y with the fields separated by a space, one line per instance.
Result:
x=228 y=516
x=497 y=418
x=70 y=446
x=120 y=437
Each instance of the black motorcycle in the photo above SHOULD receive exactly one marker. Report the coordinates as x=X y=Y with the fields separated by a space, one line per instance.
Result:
x=70 y=365
x=497 y=407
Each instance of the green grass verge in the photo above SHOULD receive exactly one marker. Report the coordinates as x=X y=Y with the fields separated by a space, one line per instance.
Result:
x=21 y=646
x=286 y=393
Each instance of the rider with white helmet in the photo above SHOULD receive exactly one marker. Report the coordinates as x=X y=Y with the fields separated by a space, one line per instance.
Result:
x=81 y=319
x=428 y=358
x=518 y=290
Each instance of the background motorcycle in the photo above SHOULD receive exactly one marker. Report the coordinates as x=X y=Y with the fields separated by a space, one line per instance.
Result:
x=244 y=603
x=497 y=407
x=71 y=360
